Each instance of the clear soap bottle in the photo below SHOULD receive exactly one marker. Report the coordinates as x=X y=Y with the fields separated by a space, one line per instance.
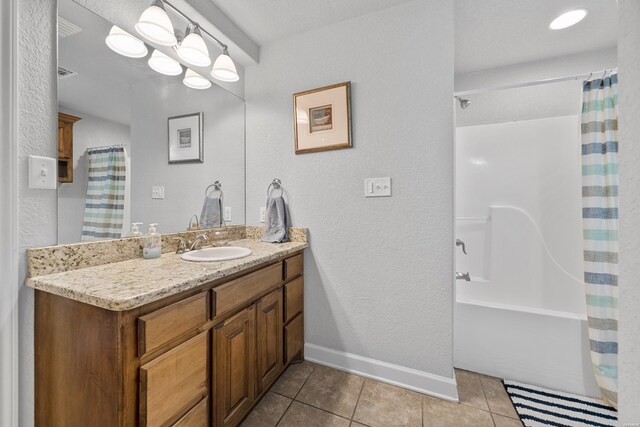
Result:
x=135 y=230
x=152 y=247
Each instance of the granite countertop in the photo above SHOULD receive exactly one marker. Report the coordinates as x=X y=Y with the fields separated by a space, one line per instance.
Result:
x=129 y=284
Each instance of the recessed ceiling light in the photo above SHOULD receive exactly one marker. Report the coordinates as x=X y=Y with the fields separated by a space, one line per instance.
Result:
x=568 y=19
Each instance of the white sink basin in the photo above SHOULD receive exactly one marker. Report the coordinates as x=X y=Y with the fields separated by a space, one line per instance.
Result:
x=223 y=253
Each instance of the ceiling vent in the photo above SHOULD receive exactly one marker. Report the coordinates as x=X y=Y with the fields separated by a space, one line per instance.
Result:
x=66 y=28
x=63 y=73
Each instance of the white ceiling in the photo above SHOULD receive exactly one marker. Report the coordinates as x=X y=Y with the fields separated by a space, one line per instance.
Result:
x=495 y=33
x=267 y=20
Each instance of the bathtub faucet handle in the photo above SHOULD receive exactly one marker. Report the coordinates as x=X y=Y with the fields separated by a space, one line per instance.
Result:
x=461 y=243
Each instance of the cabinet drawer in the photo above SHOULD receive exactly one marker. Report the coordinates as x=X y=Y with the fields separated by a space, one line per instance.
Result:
x=293 y=298
x=246 y=289
x=198 y=416
x=174 y=382
x=160 y=327
x=294 y=338
x=292 y=267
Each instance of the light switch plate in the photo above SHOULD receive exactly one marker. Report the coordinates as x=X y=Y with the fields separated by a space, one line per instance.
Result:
x=227 y=213
x=157 y=192
x=43 y=173
x=263 y=213
x=377 y=187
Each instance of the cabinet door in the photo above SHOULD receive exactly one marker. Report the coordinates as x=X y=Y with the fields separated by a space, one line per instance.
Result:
x=174 y=382
x=234 y=367
x=294 y=339
x=269 y=330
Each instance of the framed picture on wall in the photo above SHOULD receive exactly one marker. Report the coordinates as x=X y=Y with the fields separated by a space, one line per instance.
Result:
x=186 y=143
x=322 y=118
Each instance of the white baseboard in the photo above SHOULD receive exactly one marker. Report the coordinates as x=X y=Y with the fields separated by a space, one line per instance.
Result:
x=412 y=379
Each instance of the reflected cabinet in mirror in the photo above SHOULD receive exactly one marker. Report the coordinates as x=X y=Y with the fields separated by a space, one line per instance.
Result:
x=137 y=146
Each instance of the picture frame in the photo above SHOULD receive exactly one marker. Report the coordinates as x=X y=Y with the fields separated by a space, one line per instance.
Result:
x=322 y=118
x=186 y=138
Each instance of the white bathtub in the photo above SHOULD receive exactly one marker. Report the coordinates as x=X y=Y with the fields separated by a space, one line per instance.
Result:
x=542 y=347
x=526 y=320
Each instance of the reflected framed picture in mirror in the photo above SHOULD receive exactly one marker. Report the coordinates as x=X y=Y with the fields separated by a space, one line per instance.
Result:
x=186 y=138
x=322 y=118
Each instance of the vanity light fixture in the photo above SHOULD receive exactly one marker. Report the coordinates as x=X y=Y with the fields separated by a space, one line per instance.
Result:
x=164 y=64
x=224 y=69
x=154 y=24
x=195 y=80
x=125 y=44
x=193 y=49
x=568 y=19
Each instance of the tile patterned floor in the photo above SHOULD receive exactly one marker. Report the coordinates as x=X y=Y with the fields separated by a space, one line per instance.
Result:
x=312 y=395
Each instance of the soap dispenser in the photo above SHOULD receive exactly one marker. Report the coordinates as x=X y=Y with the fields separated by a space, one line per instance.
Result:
x=152 y=246
x=135 y=230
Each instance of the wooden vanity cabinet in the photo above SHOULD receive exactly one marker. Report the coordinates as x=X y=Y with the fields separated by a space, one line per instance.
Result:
x=201 y=358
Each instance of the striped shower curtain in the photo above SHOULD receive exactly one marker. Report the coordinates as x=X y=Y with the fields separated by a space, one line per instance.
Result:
x=104 y=204
x=600 y=227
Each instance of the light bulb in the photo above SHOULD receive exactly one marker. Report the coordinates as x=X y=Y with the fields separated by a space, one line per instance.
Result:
x=195 y=80
x=125 y=44
x=155 y=25
x=163 y=64
x=224 y=69
x=194 y=50
x=568 y=19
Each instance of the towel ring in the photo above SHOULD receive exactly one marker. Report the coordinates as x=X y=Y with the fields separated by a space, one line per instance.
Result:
x=276 y=184
x=217 y=187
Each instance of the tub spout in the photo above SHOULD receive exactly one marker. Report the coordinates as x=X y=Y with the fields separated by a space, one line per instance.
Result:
x=463 y=276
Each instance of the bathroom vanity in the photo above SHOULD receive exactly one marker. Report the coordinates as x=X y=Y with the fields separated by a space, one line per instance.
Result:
x=166 y=341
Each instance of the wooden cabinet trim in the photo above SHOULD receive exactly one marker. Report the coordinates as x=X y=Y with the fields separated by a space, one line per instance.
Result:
x=246 y=289
x=293 y=298
x=198 y=416
x=269 y=351
x=294 y=340
x=171 y=384
x=168 y=323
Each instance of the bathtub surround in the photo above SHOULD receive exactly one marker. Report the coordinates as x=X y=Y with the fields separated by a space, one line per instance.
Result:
x=600 y=227
x=382 y=296
x=629 y=69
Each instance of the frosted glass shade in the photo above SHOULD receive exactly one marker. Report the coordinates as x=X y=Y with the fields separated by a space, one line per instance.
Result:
x=194 y=50
x=125 y=44
x=154 y=24
x=163 y=64
x=195 y=80
x=224 y=69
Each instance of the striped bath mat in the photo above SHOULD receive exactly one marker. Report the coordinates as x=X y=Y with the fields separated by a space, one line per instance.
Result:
x=539 y=406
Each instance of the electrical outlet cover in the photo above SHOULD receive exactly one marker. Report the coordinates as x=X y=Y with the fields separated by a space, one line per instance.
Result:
x=263 y=213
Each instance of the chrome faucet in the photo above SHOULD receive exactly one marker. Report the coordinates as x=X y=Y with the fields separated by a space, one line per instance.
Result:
x=461 y=243
x=463 y=276
x=197 y=241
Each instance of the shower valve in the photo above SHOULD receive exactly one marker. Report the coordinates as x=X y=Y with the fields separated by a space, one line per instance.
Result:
x=461 y=243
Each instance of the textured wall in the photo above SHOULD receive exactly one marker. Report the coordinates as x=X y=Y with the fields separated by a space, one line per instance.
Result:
x=629 y=71
x=379 y=273
x=37 y=135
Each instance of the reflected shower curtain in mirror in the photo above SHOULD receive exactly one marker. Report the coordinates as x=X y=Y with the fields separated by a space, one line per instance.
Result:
x=599 y=130
x=105 y=202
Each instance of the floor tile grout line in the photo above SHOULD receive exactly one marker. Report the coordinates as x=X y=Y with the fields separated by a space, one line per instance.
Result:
x=283 y=413
x=323 y=410
x=294 y=397
x=358 y=400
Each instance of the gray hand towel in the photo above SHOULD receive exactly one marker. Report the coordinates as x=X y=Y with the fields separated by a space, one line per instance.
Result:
x=211 y=215
x=276 y=221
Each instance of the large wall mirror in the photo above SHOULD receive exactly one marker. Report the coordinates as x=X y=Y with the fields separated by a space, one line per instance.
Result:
x=118 y=147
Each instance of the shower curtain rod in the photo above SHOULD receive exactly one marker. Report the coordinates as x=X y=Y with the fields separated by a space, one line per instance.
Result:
x=534 y=82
